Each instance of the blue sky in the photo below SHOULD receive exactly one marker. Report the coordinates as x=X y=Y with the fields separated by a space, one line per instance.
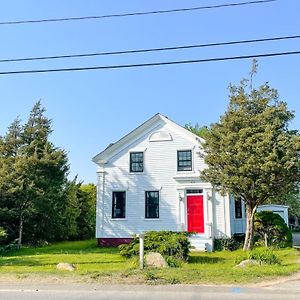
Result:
x=94 y=108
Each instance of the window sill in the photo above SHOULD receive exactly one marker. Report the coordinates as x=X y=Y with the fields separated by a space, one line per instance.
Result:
x=118 y=219
x=136 y=173
x=185 y=172
x=152 y=219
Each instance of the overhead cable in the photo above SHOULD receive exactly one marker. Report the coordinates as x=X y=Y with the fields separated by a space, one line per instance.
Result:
x=139 y=13
x=153 y=64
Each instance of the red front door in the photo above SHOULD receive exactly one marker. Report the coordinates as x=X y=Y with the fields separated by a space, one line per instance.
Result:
x=195 y=214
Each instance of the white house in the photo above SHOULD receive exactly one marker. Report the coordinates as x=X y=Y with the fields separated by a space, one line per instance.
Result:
x=149 y=180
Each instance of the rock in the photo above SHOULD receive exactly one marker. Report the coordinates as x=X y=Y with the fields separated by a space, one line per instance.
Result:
x=154 y=259
x=65 y=267
x=248 y=262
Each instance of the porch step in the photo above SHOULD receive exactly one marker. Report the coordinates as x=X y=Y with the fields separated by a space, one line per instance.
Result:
x=200 y=243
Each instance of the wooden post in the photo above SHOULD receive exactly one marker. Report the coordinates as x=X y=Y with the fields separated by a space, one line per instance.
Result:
x=141 y=236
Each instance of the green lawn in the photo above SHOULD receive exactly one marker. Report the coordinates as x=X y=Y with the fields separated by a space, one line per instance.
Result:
x=107 y=266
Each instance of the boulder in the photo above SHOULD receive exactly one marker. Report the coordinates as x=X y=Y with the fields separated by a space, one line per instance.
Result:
x=154 y=259
x=65 y=267
x=248 y=262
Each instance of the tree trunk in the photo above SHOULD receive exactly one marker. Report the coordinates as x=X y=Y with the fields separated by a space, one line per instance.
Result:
x=266 y=240
x=250 y=211
x=20 y=230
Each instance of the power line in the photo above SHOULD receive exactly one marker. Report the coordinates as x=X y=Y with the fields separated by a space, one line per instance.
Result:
x=151 y=64
x=150 y=49
x=137 y=13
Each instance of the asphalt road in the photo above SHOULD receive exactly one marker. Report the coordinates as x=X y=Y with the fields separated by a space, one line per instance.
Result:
x=285 y=291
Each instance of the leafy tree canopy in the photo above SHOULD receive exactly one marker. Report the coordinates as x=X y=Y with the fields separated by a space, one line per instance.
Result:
x=197 y=129
x=251 y=152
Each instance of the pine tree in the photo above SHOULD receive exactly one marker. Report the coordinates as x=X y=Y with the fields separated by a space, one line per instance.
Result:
x=32 y=177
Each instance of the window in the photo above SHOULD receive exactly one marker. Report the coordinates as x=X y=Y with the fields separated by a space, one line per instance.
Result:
x=238 y=208
x=152 y=205
x=118 y=205
x=136 y=162
x=194 y=191
x=184 y=160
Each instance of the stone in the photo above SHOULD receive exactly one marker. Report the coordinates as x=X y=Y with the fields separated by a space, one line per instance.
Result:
x=154 y=259
x=65 y=267
x=248 y=262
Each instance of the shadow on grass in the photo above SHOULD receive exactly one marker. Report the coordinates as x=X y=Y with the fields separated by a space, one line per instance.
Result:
x=62 y=250
x=205 y=260
x=34 y=263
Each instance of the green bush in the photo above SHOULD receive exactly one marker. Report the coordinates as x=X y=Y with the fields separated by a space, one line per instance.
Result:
x=173 y=262
x=13 y=246
x=271 y=230
x=167 y=243
x=263 y=256
x=229 y=244
x=3 y=235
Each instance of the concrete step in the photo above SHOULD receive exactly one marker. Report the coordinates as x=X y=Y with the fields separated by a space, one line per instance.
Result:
x=200 y=243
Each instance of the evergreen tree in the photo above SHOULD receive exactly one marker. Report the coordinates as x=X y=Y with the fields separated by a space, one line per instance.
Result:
x=32 y=179
x=197 y=129
x=251 y=152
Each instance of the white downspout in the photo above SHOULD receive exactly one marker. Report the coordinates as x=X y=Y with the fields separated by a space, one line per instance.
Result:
x=100 y=204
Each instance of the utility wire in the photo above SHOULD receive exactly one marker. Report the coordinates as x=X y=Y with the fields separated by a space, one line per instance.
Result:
x=142 y=13
x=151 y=64
x=150 y=49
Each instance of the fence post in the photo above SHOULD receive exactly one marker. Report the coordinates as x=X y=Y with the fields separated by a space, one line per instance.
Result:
x=141 y=236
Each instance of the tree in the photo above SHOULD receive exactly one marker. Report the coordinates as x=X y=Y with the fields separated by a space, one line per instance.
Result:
x=197 y=129
x=80 y=210
x=87 y=217
x=32 y=177
x=272 y=229
x=251 y=152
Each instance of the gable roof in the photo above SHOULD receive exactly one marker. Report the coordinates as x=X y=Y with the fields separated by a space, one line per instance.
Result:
x=113 y=147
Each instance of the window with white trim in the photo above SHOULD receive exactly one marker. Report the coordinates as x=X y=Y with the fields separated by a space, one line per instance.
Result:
x=136 y=162
x=118 y=205
x=151 y=204
x=184 y=160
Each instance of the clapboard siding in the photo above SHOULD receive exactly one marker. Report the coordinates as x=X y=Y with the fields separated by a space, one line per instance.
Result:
x=160 y=166
x=160 y=174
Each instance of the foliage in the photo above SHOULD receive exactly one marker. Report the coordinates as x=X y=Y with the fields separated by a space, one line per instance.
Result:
x=32 y=174
x=197 y=129
x=272 y=229
x=13 y=246
x=37 y=202
x=87 y=216
x=229 y=244
x=263 y=256
x=3 y=235
x=167 y=243
x=292 y=200
x=80 y=210
x=173 y=262
x=251 y=153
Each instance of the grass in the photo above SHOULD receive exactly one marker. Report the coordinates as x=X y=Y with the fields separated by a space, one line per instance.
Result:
x=107 y=266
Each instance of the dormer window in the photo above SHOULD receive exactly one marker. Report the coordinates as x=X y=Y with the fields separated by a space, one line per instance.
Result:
x=184 y=160
x=136 y=162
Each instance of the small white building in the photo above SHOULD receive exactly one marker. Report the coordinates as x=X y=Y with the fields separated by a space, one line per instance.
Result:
x=150 y=180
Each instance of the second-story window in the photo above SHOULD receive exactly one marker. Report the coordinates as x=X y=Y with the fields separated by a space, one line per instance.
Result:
x=136 y=162
x=184 y=160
